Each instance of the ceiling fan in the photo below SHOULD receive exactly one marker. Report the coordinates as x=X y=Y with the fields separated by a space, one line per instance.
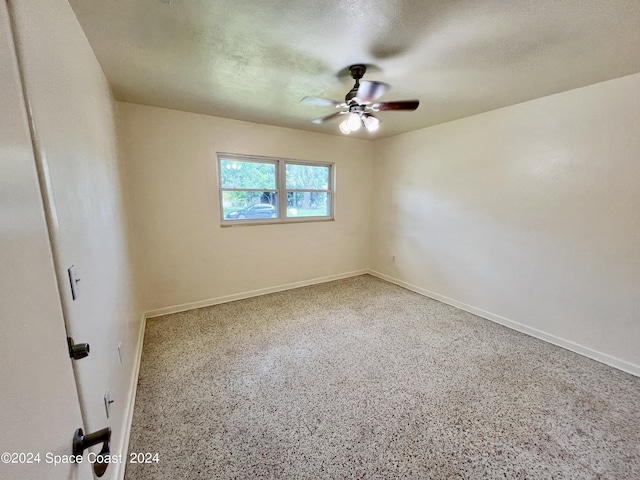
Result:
x=361 y=97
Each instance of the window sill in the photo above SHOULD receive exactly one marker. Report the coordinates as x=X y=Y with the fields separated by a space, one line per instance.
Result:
x=275 y=221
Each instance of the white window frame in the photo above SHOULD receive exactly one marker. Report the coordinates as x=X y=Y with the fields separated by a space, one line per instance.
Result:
x=280 y=190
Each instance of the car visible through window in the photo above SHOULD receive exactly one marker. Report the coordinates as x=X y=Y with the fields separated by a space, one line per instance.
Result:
x=259 y=210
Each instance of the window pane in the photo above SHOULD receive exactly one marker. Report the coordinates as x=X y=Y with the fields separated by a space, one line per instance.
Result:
x=237 y=174
x=307 y=204
x=307 y=177
x=240 y=205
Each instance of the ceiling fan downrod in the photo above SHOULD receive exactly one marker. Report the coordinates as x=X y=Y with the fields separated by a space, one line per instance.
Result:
x=357 y=72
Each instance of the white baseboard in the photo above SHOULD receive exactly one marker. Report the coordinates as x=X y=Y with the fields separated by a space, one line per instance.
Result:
x=128 y=418
x=547 y=337
x=253 y=293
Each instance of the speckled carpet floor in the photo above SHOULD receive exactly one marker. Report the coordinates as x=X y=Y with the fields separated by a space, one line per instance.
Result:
x=359 y=378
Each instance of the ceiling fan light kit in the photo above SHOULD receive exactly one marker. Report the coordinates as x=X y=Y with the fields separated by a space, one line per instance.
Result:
x=344 y=128
x=356 y=102
x=353 y=122
x=371 y=123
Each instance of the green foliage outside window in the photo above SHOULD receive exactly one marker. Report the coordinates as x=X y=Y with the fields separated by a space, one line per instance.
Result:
x=249 y=182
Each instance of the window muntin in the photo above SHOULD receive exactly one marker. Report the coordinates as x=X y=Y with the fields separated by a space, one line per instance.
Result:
x=274 y=190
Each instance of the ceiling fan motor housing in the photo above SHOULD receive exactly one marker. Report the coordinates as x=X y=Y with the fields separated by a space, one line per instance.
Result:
x=357 y=71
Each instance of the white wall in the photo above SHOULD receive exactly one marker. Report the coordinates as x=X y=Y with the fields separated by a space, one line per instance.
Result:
x=529 y=215
x=74 y=130
x=183 y=255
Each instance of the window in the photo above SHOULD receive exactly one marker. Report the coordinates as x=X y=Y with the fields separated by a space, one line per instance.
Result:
x=274 y=190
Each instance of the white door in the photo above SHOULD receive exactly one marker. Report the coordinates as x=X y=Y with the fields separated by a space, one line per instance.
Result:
x=39 y=409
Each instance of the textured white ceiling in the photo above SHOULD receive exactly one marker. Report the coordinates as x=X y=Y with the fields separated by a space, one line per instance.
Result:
x=255 y=59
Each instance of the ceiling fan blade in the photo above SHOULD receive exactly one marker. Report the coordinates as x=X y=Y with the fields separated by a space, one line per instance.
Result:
x=370 y=91
x=328 y=117
x=401 y=105
x=322 y=102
